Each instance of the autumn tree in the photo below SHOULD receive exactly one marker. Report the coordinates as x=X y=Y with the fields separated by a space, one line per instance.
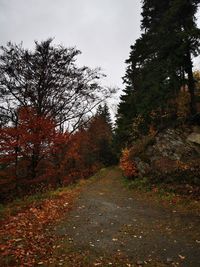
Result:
x=28 y=143
x=42 y=86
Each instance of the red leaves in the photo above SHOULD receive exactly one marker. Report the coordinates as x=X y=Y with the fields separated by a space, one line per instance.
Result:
x=34 y=154
x=28 y=237
x=32 y=132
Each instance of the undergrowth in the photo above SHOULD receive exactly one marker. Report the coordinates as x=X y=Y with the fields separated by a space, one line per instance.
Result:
x=18 y=204
x=163 y=194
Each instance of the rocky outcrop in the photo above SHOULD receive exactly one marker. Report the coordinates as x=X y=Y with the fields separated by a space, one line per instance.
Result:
x=174 y=144
x=194 y=138
x=170 y=149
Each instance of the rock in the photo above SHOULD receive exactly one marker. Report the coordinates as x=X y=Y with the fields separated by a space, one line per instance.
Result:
x=169 y=260
x=18 y=239
x=140 y=263
x=164 y=164
x=142 y=166
x=194 y=138
x=164 y=153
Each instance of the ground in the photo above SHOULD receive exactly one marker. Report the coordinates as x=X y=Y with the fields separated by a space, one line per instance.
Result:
x=110 y=226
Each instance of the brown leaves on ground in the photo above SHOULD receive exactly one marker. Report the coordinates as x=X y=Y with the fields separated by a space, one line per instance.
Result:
x=27 y=238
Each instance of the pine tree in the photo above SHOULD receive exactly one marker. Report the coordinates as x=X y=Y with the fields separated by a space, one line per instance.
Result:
x=103 y=139
x=126 y=112
x=175 y=36
x=103 y=112
x=160 y=62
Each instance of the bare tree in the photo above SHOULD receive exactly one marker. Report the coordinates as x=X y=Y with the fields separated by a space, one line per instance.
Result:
x=48 y=80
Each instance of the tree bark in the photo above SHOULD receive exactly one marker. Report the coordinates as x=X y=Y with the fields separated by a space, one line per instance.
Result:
x=191 y=83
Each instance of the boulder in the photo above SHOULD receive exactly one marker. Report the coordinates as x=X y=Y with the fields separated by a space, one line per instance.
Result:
x=169 y=150
x=194 y=138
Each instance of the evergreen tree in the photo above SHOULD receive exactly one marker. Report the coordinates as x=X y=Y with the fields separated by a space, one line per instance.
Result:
x=126 y=112
x=103 y=112
x=175 y=36
x=160 y=61
x=100 y=128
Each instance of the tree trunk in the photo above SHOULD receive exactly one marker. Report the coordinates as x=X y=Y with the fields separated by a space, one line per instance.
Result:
x=34 y=162
x=191 y=83
x=16 y=153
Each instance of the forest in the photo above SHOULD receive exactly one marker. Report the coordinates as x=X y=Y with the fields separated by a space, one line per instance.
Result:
x=55 y=123
x=48 y=135
x=57 y=135
x=161 y=90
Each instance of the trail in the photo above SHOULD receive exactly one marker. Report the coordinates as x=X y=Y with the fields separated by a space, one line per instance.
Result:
x=110 y=227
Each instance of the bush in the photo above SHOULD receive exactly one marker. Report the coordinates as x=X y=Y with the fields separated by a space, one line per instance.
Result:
x=127 y=164
x=169 y=171
x=142 y=184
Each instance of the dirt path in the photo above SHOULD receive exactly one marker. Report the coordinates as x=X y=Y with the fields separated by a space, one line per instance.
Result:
x=109 y=227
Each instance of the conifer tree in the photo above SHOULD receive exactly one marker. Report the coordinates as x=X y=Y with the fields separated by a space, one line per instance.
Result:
x=160 y=61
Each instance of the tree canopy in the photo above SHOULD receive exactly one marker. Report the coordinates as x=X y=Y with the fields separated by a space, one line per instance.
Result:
x=160 y=62
x=49 y=80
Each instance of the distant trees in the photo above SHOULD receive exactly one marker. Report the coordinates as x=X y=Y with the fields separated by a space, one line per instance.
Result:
x=101 y=136
x=89 y=148
x=160 y=62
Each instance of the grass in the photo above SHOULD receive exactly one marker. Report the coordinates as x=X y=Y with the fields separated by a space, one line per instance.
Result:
x=18 y=204
x=163 y=195
x=138 y=183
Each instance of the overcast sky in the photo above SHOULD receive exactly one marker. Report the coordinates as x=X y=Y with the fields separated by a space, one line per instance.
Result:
x=102 y=29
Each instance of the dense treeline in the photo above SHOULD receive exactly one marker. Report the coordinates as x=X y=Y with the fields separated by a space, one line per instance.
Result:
x=49 y=132
x=158 y=68
x=160 y=106
x=53 y=128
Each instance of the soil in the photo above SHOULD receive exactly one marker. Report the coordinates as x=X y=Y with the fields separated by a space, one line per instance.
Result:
x=110 y=226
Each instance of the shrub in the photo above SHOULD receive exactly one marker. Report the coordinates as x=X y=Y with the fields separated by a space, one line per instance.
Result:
x=166 y=170
x=127 y=164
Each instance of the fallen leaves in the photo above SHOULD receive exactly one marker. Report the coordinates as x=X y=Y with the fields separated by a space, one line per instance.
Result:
x=27 y=238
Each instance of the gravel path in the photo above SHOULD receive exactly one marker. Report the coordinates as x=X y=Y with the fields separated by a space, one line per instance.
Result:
x=110 y=227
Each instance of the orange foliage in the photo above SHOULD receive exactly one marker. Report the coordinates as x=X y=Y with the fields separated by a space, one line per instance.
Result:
x=127 y=165
x=77 y=161
x=35 y=130
x=31 y=231
x=152 y=130
x=34 y=153
x=32 y=131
